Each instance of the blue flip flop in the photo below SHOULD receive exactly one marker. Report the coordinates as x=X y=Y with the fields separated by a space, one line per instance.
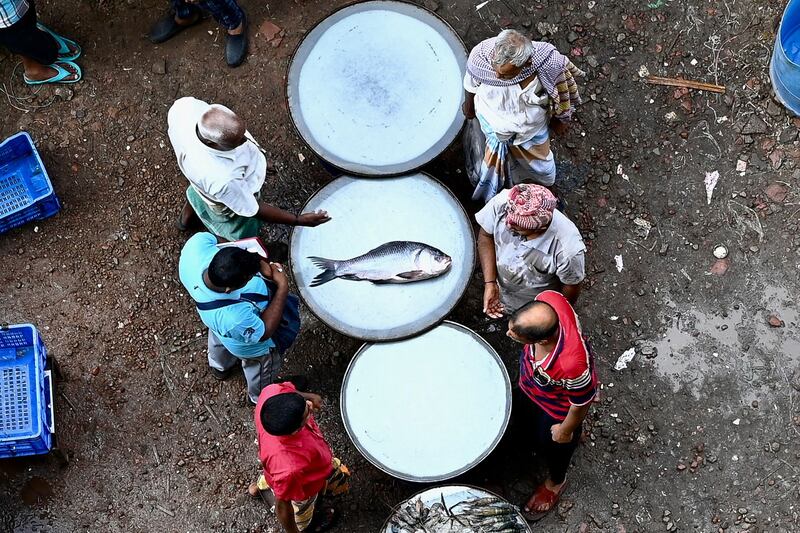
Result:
x=61 y=74
x=63 y=44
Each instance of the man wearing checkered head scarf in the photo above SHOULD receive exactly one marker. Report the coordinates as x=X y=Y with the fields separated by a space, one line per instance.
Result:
x=527 y=246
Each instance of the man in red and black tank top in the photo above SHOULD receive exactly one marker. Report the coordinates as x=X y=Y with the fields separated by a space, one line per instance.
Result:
x=558 y=383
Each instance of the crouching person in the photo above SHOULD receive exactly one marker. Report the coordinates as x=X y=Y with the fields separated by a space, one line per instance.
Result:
x=298 y=465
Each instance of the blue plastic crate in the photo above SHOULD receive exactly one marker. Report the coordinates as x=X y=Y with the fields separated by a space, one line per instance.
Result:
x=26 y=193
x=26 y=393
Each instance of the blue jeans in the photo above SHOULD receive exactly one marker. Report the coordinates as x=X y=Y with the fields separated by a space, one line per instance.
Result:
x=226 y=12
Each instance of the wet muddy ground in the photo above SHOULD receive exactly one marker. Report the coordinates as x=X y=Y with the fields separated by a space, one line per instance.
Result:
x=698 y=433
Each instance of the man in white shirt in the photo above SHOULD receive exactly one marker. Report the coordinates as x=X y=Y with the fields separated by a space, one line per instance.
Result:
x=517 y=89
x=527 y=246
x=226 y=170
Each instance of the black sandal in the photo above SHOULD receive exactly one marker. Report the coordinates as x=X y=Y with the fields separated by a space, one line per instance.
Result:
x=167 y=28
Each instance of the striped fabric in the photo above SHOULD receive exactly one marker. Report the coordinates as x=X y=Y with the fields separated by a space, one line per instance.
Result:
x=11 y=11
x=556 y=73
x=567 y=376
x=506 y=164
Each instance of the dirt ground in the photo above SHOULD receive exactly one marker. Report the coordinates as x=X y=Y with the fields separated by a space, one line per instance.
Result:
x=699 y=433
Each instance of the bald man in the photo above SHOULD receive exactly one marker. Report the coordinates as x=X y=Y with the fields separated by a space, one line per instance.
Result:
x=226 y=170
x=557 y=384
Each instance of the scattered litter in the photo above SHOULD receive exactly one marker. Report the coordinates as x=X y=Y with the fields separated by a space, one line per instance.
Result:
x=643 y=72
x=711 y=181
x=482 y=4
x=671 y=117
x=656 y=4
x=686 y=274
x=744 y=218
x=722 y=119
x=618 y=260
x=688 y=84
x=741 y=166
x=737 y=421
x=643 y=227
x=621 y=173
x=720 y=251
x=624 y=359
x=613 y=318
x=301 y=157
x=546 y=28
x=693 y=62
x=590 y=5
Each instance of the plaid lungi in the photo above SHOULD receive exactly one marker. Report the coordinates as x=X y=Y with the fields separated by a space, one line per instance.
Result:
x=506 y=164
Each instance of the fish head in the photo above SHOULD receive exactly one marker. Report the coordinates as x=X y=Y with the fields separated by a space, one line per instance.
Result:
x=434 y=262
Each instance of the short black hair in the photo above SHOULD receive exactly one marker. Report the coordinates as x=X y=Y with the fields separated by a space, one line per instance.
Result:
x=283 y=413
x=533 y=332
x=233 y=267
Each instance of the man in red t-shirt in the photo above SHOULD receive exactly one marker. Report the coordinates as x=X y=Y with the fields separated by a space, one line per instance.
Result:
x=558 y=383
x=298 y=465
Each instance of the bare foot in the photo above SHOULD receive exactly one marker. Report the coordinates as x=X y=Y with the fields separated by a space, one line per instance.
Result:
x=39 y=72
x=540 y=501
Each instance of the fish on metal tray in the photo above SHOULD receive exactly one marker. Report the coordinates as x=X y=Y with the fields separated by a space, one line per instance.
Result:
x=477 y=515
x=392 y=262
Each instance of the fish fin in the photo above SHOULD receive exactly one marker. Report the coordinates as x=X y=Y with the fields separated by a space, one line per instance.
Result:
x=328 y=273
x=411 y=274
x=382 y=281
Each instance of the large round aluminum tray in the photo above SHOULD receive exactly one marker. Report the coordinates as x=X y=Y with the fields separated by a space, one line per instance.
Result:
x=452 y=495
x=376 y=88
x=427 y=408
x=366 y=214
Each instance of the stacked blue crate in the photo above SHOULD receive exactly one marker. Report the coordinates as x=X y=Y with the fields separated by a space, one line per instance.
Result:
x=26 y=390
x=26 y=193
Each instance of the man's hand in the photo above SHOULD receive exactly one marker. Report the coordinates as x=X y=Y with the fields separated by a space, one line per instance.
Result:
x=315 y=399
x=559 y=435
x=313 y=219
x=276 y=274
x=265 y=268
x=491 y=301
x=559 y=127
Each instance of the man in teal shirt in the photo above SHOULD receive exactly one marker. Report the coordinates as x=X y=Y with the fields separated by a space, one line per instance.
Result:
x=240 y=311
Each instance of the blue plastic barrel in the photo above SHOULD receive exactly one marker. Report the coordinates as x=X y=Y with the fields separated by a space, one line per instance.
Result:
x=784 y=70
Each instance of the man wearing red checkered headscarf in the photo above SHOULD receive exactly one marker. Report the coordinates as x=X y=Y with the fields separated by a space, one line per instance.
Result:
x=527 y=246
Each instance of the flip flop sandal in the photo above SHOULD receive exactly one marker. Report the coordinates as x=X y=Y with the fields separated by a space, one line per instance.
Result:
x=63 y=44
x=60 y=76
x=546 y=496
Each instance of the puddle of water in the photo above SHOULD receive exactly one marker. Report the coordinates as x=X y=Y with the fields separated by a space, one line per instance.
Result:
x=36 y=491
x=698 y=345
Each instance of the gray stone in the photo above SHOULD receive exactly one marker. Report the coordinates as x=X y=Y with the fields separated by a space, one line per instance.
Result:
x=754 y=125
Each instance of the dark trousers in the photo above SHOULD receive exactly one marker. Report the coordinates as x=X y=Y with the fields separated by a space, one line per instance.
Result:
x=534 y=424
x=25 y=39
x=226 y=12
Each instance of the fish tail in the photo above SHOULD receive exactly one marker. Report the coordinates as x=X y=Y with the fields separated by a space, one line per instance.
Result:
x=328 y=273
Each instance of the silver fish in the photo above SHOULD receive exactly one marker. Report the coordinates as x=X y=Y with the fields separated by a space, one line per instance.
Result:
x=393 y=262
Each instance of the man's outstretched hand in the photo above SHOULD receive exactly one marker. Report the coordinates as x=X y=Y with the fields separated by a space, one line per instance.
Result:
x=313 y=219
